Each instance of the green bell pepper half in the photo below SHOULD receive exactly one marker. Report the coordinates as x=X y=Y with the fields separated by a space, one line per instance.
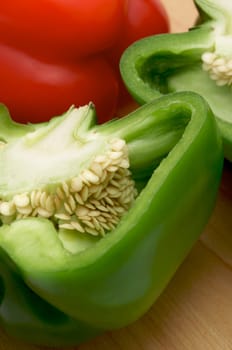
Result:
x=199 y=60
x=50 y=296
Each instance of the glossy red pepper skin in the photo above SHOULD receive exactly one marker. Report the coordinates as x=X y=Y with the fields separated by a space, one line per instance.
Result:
x=57 y=53
x=64 y=28
x=44 y=88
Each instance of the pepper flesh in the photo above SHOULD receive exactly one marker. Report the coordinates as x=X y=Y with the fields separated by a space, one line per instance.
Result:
x=54 y=297
x=198 y=60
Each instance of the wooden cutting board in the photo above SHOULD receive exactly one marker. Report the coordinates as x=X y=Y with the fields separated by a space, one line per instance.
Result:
x=195 y=310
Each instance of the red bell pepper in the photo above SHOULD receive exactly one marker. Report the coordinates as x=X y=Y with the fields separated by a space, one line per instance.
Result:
x=56 y=53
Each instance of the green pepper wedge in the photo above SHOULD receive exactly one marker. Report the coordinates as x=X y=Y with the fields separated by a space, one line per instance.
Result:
x=54 y=296
x=199 y=60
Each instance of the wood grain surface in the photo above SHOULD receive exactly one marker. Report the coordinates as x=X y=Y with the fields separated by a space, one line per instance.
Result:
x=195 y=310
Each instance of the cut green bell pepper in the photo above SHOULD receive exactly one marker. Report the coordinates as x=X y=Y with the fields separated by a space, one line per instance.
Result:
x=60 y=286
x=199 y=60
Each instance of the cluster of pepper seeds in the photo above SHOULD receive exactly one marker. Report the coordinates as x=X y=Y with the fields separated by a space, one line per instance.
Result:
x=92 y=202
x=219 y=68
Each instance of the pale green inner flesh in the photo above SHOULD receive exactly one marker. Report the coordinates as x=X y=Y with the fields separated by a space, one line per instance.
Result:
x=36 y=160
x=220 y=11
x=196 y=80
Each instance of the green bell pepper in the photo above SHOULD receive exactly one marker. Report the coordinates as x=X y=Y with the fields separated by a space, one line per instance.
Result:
x=61 y=283
x=199 y=60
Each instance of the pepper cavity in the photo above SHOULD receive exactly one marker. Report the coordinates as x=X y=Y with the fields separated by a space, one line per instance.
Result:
x=68 y=173
x=92 y=202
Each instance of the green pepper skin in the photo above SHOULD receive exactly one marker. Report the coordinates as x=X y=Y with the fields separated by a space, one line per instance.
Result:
x=168 y=63
x=52 y=297
x=26 y=316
